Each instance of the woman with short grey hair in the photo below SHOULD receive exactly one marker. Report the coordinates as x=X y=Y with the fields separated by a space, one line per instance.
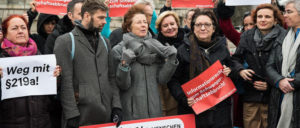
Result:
x=283 y=72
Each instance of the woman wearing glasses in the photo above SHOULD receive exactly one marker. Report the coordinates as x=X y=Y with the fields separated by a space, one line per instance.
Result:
x=254 y=49
x=202 y=47
x=283 y=72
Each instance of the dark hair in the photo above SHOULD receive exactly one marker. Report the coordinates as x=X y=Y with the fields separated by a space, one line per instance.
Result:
x=136 y=9
x=71 y=5
x=210 y=14
x=276 y=12
x=187 y=13
x=91 y=6
x=5 y=23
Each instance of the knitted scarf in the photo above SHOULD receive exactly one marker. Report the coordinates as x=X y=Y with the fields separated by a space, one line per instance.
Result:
x=17 y=50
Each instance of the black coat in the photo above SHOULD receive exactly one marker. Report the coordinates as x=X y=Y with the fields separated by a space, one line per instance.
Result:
x=273 y=72
x=216 y=52
x=24 y=112
x=256 y=60
x=63 y=26
x=41 y=36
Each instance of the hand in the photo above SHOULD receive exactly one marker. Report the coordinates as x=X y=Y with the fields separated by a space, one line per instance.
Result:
x=57 y=71
x=246 y=74
x=128 y=56
x=168 y=3
x=32 y=6
x=170 y=51
x=73 y=122
x=116 y=116
x=226 y=70
x=285 y=85
x=26 y=17
x=260 y=85
x=1 y=72
x=191 y=101
x=136 y=47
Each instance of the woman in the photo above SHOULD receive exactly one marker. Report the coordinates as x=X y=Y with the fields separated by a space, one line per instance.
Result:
x=254 y=49
x=202 y=48
x=169 y=32
x=25 y=112
x=283 y=72
x=142 y=63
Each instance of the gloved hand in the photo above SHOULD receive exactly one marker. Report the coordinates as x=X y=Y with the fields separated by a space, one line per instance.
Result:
x=116 y=116
x=128 y=56
x=136 y=47
x=73 y=122
x=170 y=51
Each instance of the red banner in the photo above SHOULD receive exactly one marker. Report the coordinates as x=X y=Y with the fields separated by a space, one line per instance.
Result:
x=209 y=88
x=118 y=8
x=55 y=7
x=180 y=121
x=192 y=4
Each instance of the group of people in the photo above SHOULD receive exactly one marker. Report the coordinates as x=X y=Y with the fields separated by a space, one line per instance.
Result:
x=138 y=74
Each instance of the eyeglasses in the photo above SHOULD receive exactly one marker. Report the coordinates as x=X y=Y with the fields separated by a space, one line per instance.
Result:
x=288 y=12
x=206 y=25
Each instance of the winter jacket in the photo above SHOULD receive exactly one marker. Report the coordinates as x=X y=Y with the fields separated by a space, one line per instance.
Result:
x=256 y=59
x=41 y=36
x=218 y=51
x=88 y=88
x=139 y=82
x=273 y=72
x=63 y=26
x=24 y=112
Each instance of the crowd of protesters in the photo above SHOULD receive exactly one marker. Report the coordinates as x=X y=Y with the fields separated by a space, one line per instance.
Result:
x=137 y=72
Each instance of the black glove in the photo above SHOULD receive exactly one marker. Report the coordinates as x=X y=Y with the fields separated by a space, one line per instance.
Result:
x=116 y=116
x=73 y=122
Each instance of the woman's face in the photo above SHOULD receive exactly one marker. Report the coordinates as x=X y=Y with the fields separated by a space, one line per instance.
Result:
x=204 y=28
x=291 y=16
x=265 y=20
x=17 y=31
x=139 y=25
x=248 y=23
x=169 y=27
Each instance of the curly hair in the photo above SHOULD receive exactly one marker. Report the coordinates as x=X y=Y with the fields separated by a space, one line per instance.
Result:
x=136 y=9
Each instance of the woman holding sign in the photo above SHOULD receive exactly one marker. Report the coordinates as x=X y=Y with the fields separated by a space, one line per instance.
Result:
x=254 y=49
x=142 y=63
x=202 y=47
x=23 y=112
x=283 y=70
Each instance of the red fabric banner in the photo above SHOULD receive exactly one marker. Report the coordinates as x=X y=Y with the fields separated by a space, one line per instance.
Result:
x=180 y=121
x=192 y=4
x=55 y=7
x=118 y=8
x=209 y=88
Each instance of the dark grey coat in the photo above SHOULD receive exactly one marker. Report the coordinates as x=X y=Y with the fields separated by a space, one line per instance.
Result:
x=88 y=78
x=139 y=85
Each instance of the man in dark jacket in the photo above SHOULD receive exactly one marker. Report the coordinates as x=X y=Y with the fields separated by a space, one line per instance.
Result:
x=88 y=92
x=66 y=24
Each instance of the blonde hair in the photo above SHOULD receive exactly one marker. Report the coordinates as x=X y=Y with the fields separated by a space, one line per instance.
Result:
x=162 y=16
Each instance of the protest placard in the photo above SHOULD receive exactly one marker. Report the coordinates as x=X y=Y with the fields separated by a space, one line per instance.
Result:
x=209 y=88
x=28 y=76
x=118 y=8
x=180 y=121
x=192 y=4
x=246 y=2
x=55 y=7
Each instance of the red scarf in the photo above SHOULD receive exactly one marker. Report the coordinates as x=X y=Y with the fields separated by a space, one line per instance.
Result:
x=17 y=50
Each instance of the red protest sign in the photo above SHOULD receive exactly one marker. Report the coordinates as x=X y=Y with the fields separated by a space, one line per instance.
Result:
x=209 y=88
x=180 y=121
x=192 y=4
x=55 y=7
x=118 y=8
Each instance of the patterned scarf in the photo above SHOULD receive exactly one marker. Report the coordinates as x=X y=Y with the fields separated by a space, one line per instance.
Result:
x=17 y=50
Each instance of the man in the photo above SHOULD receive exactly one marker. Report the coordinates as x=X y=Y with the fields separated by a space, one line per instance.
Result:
x=88 y=92
x=116 y=35
x=66 y=24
